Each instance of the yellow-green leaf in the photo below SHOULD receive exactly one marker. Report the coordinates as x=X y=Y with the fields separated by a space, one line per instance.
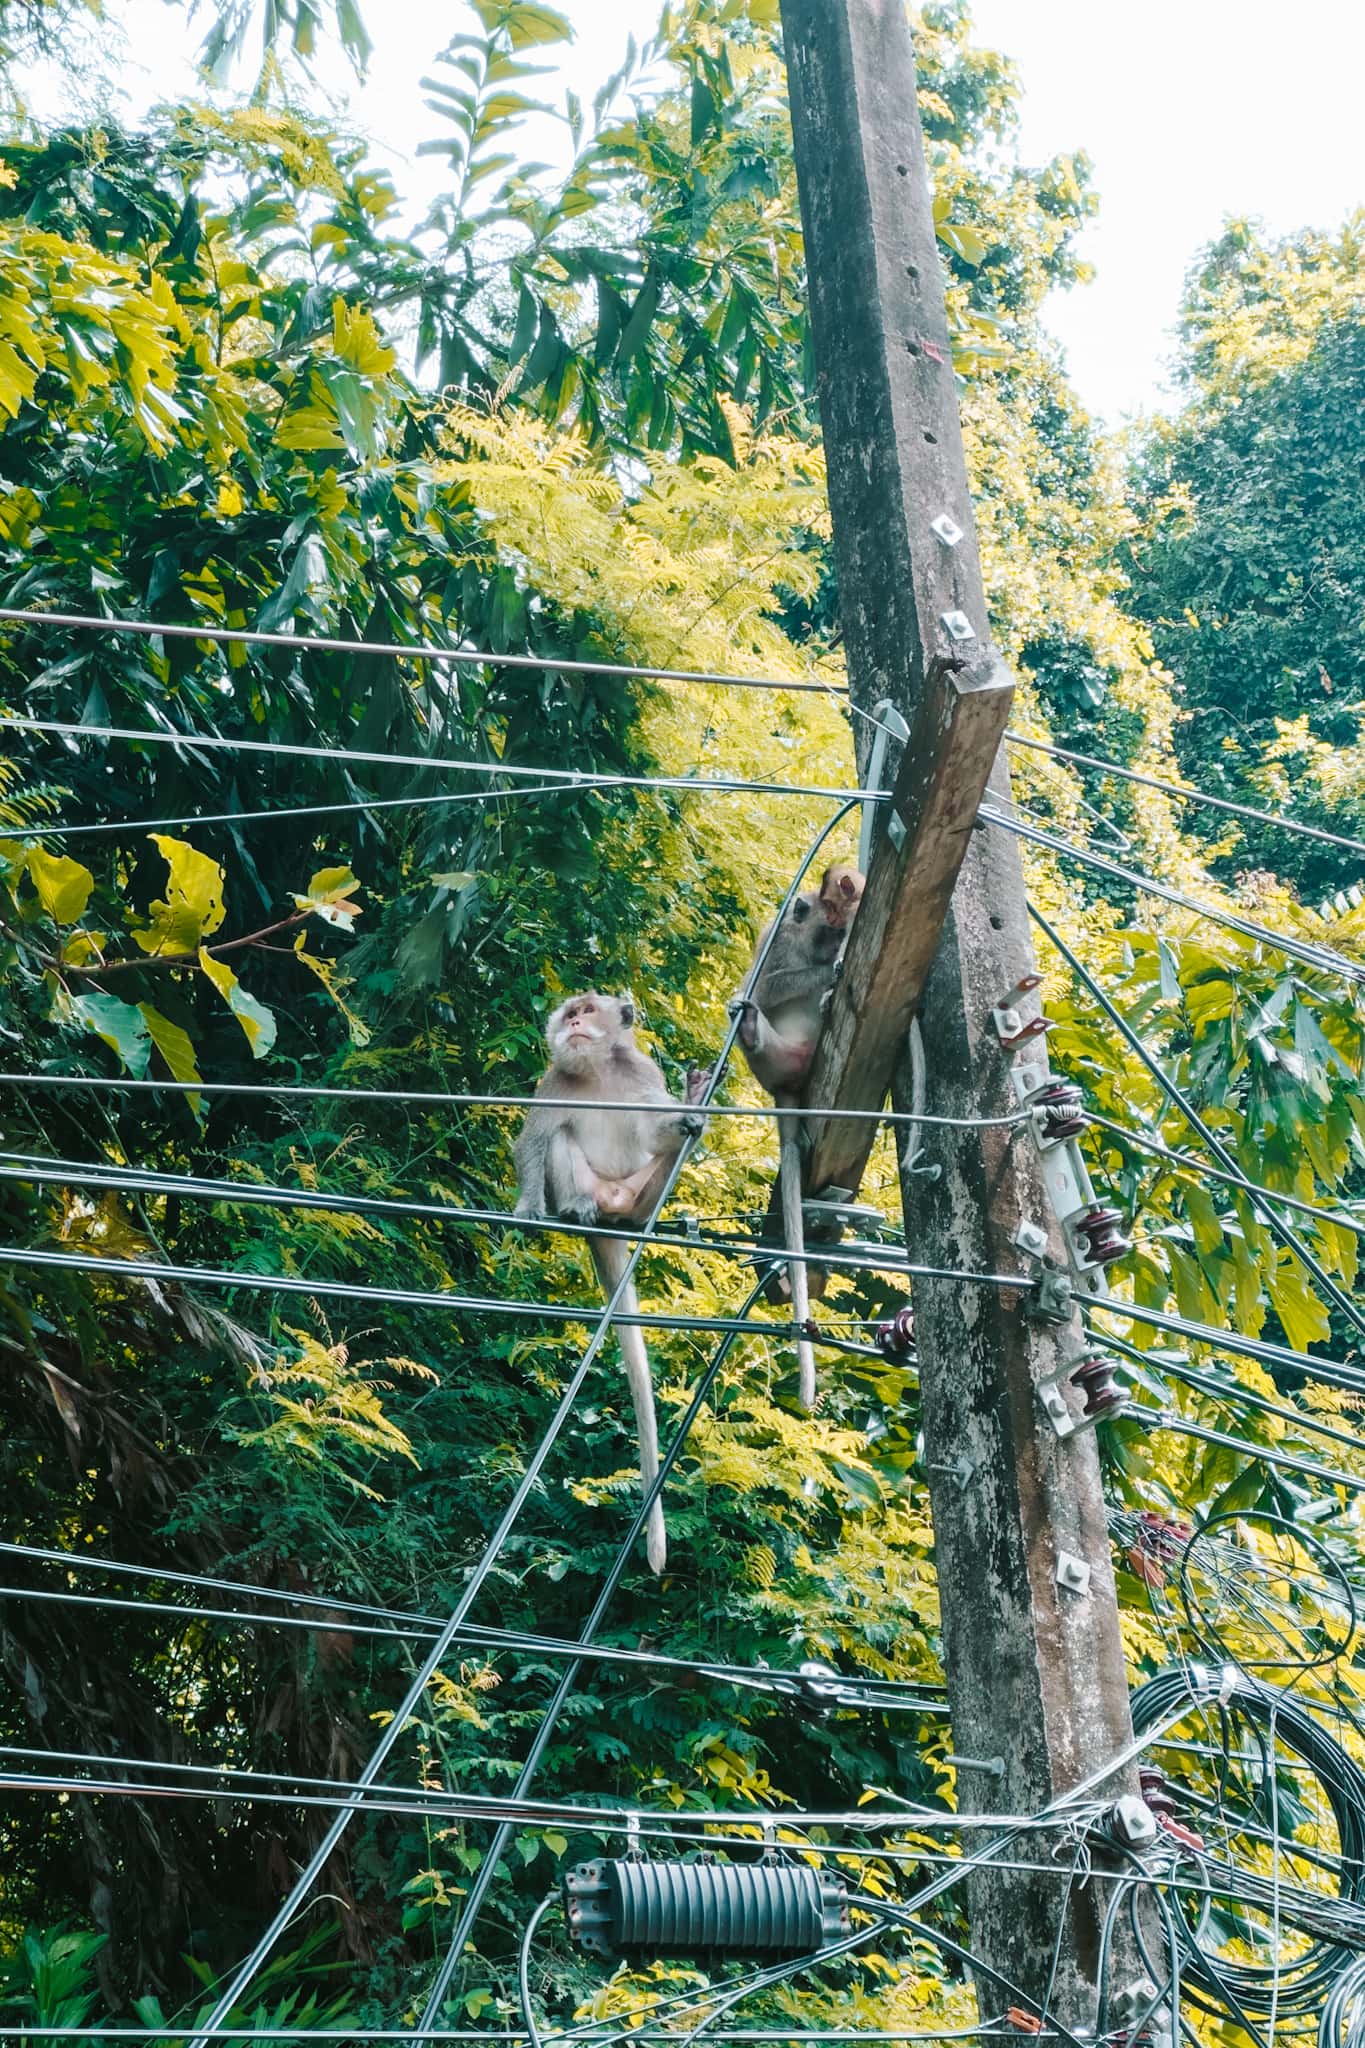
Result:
x=192 y=909
x=254 y=1018
x=173 y=1043
x=63 y=885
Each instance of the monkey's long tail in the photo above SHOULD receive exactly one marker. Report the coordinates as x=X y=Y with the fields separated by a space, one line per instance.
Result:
x=793 y=1229
x=610 y=1255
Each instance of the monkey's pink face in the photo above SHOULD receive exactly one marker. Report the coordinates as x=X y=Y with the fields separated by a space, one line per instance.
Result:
x=579 y=1028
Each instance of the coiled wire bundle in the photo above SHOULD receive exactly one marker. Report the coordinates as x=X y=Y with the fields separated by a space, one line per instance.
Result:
x=1233 y=1770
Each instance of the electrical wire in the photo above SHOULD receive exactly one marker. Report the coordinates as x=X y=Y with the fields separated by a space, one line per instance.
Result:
x=1186 y=795
x=572 y=778
x=417 y=1297
x=456 y=1099
x=315 y=643
x=1324 y=958
x=1176 y=1095
x=1342 y=1218
x=1294 y=1985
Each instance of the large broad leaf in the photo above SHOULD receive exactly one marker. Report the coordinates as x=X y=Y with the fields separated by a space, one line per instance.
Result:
x=192 y=909
x=121 y=1025
x=254 y=1018
x=172 y=1042
x=63 y=885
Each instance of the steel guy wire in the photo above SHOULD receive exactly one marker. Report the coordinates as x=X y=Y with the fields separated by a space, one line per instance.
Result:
x=479 y=1883
x=1186 y=795
x=247 y=1971
x=574 y=778
x=1175 y=1094
x=816 y=1690
x=1323 y=958
x=316 y=643
x=1342 y=1217
x=469 y=1304
x=440 y=1098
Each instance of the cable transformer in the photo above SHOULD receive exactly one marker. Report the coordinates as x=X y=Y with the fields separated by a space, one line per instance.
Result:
x=634 y=1907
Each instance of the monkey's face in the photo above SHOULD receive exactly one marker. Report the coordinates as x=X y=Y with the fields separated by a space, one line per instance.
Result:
x=582 y=1030
x=841 y=892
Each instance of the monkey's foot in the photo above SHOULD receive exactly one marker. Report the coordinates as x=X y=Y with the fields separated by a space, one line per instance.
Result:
x=579 y=1209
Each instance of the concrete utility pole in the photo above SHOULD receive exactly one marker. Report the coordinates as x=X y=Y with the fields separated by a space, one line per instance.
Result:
x=1035 y=1670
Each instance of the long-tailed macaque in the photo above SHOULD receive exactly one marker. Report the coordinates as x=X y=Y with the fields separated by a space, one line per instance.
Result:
x=779 y=1025
x=590 y=1165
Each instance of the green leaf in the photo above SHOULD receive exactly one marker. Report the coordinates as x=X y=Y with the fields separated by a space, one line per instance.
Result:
x=1304 y=1318
x=256 y=1021
x=63 y=885
x=529 y=26
x=192 y=909
x=173 y=1043
x=121 y=1025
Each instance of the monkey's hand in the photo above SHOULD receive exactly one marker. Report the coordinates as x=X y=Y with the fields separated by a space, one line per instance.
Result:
x=528 y=1206
x=579 y=1209
x=748 y=1013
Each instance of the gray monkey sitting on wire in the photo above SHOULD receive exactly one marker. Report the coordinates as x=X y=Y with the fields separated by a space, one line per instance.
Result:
x=589 y=1165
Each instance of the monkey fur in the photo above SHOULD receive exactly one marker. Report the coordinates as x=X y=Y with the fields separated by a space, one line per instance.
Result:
x=588 y=1165
x=779 y=1025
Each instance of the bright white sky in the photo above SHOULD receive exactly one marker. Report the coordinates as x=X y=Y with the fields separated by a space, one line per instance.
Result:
x=1190 y=110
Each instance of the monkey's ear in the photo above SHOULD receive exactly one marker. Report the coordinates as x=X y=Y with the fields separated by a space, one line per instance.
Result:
x=847 y=885
x=627 y=1008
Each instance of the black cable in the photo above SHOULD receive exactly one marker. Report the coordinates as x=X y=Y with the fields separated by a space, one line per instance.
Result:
x=528 y=2018
x=1296 y=1985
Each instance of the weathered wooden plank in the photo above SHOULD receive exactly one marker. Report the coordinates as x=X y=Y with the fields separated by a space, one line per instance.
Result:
x=959 y=724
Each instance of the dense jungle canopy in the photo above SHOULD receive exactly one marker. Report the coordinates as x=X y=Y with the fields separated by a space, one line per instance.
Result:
x=571 y=418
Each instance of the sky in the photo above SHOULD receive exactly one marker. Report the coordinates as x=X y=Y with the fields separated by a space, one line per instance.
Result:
x=1190 y=111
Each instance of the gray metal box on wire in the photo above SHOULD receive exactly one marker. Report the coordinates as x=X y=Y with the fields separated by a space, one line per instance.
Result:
x=637 y=1908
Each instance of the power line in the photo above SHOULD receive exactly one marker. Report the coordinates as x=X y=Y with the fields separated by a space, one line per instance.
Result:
x=442 y=1098
x=315 y=643
x=470 y=1304
x=1176 y=1095
x=816 y=1688
x=129 y=826
x=572 y=778
x=1341 y=1217
x=1324 y=958
x=1189 y=796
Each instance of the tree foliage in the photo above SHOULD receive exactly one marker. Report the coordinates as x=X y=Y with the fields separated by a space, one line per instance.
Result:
x=570 y=419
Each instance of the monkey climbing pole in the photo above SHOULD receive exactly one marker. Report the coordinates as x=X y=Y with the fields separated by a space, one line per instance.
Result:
x=1035 y=1667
